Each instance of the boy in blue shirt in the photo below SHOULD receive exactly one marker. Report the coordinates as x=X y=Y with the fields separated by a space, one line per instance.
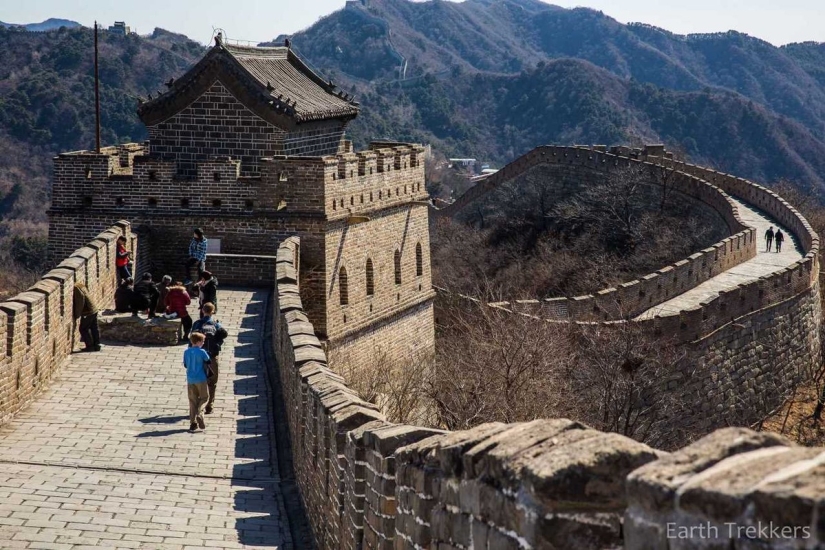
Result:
x=197 y=363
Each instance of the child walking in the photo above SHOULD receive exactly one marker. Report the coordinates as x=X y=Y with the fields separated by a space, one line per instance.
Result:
x=197 y=364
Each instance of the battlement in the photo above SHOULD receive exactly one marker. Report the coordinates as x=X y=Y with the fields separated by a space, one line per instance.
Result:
x=634 y=297
x=347 y=185
x=36 y=326
x=368 y=483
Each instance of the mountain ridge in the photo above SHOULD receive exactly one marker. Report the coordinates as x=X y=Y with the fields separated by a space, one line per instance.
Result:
x=49 y=24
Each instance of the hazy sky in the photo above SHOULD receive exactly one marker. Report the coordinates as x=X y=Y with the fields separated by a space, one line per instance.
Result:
x=777 y=21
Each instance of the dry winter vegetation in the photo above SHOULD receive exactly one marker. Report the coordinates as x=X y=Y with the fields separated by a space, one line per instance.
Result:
x=545 y=236
x=492 y=365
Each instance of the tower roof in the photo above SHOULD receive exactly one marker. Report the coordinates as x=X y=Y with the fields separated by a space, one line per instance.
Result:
x=272 y=82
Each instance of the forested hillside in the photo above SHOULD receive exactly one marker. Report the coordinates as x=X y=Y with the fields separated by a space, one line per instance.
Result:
x=482 y=78
x=47 y=106
x=493 y=78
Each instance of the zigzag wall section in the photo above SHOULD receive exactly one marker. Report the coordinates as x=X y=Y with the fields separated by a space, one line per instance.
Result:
x=370 y=484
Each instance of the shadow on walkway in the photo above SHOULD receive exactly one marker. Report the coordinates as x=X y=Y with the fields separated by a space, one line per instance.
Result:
x=162 y=433
x=258 y=490
x=163 y=419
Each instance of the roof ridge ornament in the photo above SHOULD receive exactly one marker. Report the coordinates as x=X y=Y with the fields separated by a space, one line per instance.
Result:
x=219 y=39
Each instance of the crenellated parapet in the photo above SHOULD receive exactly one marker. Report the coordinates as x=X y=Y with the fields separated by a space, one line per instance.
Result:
x=37 y=330
x=551 y=483
x=127 y=179
x=632 y=298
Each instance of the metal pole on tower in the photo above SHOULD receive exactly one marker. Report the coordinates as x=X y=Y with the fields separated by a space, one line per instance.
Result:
x=97 y=98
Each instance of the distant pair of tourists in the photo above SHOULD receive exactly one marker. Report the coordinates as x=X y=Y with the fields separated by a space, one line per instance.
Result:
x=771 y=237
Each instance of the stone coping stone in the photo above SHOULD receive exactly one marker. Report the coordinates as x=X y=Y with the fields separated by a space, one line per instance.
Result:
x=126 y=328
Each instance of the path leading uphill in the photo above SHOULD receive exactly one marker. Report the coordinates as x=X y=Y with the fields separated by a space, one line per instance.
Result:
x=103 y=458
x=762 y=264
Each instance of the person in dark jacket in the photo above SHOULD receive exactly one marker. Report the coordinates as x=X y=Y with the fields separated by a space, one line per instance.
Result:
x=147 y=290
x=124 y=296
x=85 y=309
x=163 y=290
x=127 y=300
x=177 y=298
x=208 y=291
x=779 y=238
x=214 y=334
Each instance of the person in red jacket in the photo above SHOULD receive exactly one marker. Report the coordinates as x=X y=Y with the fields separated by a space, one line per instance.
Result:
x=122 y=260
x=176 y=301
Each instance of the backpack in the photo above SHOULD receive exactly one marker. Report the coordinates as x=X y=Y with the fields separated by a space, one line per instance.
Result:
x=214 y=335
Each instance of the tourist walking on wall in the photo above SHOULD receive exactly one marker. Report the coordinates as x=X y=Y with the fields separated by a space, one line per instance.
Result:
x=780 y=238
x=176 y=301
x=197 y=364
x=768 y=238
x=84 y=308
x=147 y=290
x=163 y=291
x=208 y=291
x=197 y=254
x=214 y=335
x=122 y=260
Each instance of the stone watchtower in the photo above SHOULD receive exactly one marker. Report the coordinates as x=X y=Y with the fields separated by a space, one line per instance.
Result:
x=249 y=145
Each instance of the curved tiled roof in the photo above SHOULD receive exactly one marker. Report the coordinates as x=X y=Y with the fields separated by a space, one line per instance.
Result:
x=272 y=82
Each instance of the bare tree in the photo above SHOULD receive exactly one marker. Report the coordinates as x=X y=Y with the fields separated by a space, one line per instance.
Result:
x=618 y=381
x=399 y=386
x=493 y=365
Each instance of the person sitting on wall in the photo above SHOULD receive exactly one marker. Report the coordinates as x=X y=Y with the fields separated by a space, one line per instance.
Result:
x=124 y=296
x=149 y=292
x=207 y=291
x=176 y=301
x=122 y=260
x=163 y=289
x=197 y=254
x=85 y=309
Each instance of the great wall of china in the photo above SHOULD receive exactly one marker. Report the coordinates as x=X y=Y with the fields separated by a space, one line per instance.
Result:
x=367 y=483
x=339 y=244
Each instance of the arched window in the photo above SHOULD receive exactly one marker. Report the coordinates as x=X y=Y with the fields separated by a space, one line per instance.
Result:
x=419 y=261
x=398 y=267
x=370 y=278
x=343 y=286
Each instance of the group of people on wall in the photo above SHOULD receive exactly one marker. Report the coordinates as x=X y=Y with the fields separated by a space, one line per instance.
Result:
x=170 y=300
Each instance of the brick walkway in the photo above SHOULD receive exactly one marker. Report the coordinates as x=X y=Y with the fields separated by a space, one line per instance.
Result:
x=103 y=459
x=764 y=263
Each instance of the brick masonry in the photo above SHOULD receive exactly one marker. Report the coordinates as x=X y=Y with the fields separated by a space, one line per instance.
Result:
x=345 y=207
x=370 y=484
x=217 y=124
x=37 y=331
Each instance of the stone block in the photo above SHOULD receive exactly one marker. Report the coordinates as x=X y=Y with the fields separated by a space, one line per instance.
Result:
x=126 y=328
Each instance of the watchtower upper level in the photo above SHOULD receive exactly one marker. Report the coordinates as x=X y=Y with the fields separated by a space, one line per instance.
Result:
x=246 y=103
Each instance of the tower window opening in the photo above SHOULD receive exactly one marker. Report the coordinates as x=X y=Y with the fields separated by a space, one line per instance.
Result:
x=419 y=261
x=343 y=286
x=397 y=261
x=370 y=278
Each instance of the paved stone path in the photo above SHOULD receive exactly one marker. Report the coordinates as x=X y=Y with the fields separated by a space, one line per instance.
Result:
x=103 y=458
x=764 y=263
